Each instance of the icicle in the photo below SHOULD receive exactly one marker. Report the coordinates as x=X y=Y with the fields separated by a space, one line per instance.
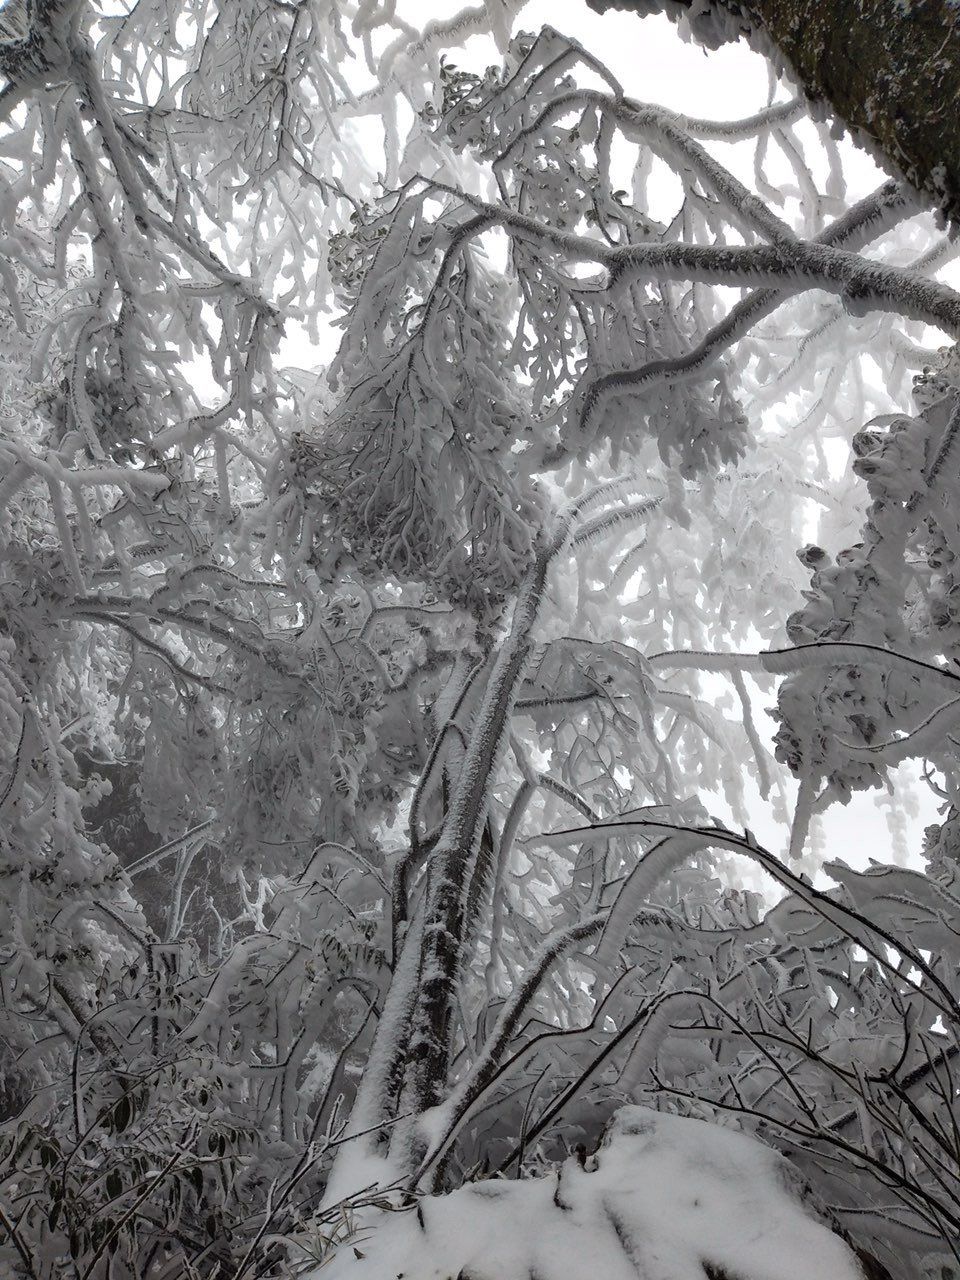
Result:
x=802 y=814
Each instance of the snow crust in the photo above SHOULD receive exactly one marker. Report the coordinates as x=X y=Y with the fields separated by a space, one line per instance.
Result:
x=665 y=1198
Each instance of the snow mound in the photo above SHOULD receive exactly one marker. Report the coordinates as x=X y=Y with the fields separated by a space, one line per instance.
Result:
x=665 y=1198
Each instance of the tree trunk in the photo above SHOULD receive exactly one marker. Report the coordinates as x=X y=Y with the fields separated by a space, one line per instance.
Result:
x=890 y=71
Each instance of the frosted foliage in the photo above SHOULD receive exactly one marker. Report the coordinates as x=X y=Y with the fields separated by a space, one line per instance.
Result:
x=895 y=589
x=409 y=477
x=664 y=1197
x=379 y=740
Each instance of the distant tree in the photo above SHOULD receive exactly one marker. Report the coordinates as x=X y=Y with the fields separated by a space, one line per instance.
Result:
x=361 y=729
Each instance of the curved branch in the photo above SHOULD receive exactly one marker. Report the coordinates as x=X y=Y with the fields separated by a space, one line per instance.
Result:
x=863 y=222
x=660 y=129
x=803 y=657
x=178 y=669
x=736 y=130
x=679 y=842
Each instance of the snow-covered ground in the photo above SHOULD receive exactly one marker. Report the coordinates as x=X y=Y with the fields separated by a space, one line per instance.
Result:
x=665 y=1198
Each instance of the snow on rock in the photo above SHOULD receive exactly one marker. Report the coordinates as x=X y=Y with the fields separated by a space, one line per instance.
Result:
x=665 y=1198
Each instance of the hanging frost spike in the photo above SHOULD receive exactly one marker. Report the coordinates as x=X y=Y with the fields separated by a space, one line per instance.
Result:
x=938 y=379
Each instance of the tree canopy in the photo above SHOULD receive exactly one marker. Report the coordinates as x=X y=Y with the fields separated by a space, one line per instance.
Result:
x=383 y=734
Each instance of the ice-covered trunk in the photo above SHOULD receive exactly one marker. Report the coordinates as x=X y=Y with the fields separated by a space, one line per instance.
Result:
x=413 y=1039
x=451 y=865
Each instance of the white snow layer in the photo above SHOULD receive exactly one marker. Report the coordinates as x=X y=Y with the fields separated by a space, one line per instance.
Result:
x=665 y=1198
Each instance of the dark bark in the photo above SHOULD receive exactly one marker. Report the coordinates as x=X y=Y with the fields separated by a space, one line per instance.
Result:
x=44 y=55
x=890 y=71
